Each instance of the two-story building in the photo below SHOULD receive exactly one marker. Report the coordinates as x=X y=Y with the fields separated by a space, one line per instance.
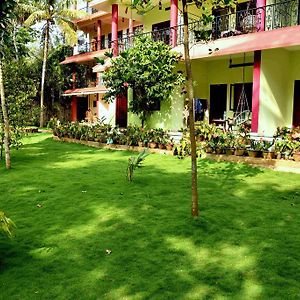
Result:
x=247 y=58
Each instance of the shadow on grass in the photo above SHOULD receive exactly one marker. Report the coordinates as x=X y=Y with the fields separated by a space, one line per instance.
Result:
x=243 y=246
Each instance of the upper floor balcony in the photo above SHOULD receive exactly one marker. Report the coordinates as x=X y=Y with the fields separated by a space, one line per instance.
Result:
x=222 y=25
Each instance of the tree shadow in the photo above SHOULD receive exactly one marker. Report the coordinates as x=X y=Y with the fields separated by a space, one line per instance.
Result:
x=244 y=245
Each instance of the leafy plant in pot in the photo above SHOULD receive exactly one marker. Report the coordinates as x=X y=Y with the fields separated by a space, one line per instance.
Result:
x=255 y=148
x=169 y=144
x=229 y=143
x=296 y=152
x=152 y=139
x=268 y=149
x=280 y=146
x=239 y=147
x=210 y=147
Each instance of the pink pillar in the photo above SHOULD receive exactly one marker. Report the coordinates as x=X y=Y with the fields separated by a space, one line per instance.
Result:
x=98 y=35
x=114 y=29
x=98 y=106
x=260 y=14
x=130 y=27
x=174 y=22
x=256 y=90
x=74 y=98
x=74 y=109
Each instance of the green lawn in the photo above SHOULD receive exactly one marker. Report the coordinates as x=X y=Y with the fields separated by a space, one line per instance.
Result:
x=245 y=245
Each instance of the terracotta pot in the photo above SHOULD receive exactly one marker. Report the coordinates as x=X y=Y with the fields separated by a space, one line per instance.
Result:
x=229 y=151
x=268 y=155
x=219 y=151
x=239 y=152
x=208 y=150
x=169 y=147
x=161 y=146
x=253 y=153
x=278 y=155
x=152 y=145
x=296 y=156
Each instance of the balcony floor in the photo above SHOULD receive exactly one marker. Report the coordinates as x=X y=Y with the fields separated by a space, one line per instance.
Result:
x=288 y=37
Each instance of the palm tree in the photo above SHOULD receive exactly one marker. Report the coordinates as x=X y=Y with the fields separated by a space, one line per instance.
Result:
x=53 y=13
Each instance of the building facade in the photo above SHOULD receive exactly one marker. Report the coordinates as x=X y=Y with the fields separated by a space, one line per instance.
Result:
x=246 y=56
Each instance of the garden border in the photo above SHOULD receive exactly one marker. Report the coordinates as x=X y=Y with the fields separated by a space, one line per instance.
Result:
x=112 y=146
x=274 y=164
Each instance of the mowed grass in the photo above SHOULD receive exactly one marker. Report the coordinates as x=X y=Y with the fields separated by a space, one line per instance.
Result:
x=245 y=245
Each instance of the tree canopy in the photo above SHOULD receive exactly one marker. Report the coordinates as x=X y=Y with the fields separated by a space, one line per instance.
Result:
x=149 y=68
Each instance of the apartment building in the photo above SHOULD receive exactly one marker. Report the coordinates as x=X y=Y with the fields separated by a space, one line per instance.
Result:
x=246 y=59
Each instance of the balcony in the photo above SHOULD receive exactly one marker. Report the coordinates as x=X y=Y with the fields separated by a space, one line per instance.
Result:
x=267 y=18
x=89 y=10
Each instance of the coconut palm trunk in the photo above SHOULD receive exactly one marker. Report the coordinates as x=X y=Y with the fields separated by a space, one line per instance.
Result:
x=46 y=47
x=5 y=121
x=190 y=94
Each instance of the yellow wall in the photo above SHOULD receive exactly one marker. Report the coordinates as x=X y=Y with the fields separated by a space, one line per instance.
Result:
x=276 y=91
x=155 y=16
x=210 y=72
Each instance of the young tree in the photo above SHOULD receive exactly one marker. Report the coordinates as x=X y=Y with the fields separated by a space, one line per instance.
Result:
x=205 y=16
x=52 y=13
x=6 y=15
x=149 y=69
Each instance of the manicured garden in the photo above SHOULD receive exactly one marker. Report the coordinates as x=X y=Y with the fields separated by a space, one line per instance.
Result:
x=210 y=138
x=85 y=232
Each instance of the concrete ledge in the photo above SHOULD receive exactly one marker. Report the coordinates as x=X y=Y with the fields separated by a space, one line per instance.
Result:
x=112 y=146
x=274 y=164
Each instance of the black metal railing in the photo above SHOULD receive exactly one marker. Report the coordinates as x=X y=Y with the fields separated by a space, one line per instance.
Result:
x=93 y=45
x=269 y=17
x=88 y=9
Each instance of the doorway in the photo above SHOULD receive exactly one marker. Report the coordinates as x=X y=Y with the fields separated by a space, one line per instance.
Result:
x=296 y=111
x=218 y=100
x=121 y=111
x=82 y=107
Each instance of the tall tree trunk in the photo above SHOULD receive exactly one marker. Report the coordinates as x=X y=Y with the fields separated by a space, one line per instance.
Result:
x=190 y=94
x=46 y=45
x=5 y=121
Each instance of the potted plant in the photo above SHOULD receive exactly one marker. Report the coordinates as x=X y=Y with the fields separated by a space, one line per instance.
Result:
x=268 y=149
x=239 y=147
x=280 y=146
x=169 y=144
x=229 y=143
x=210 y=147
x=296 y=152
x=141 y=137
x=255 y=148
x=152 y=139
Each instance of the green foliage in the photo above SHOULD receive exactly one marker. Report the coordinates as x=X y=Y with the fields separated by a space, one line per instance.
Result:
x=105 y=133
x=245 y=242
x=135 y=162
x=100 y=61
x=149 y=69
x=7 y=9
x=57 y=13
x=6 y=225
